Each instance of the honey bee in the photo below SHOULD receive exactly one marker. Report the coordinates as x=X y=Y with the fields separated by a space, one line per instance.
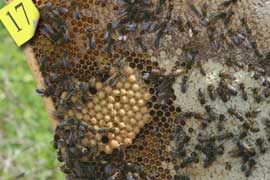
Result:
x=227 y=3
x=196 y=10
x=76 y=12
x=187 y=161
x=139 y=41
x=212 y=92
x=226 y=75
x=184 y=84
x=243 y=92
x=91 y=44
x=201 y=96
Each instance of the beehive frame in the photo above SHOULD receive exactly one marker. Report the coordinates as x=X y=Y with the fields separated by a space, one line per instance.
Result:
x=32 y=62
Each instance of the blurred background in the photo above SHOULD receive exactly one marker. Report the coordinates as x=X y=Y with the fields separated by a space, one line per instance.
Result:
x=26 y=150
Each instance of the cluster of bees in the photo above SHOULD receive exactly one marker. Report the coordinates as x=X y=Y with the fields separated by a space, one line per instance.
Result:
x=212 y=144
x=119 y=111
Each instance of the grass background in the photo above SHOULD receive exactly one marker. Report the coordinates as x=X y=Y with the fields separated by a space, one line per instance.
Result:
x=26 y=150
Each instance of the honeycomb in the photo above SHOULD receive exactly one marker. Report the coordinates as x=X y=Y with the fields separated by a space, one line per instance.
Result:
x=121 y=111
x=161 y=90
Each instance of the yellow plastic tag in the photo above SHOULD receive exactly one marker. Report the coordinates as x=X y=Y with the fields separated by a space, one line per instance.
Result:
x=20 y=17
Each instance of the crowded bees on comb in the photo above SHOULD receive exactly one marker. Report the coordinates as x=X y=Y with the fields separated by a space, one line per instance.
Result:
x=153 y=90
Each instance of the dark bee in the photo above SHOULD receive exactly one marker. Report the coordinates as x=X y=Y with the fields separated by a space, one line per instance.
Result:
x=266 y=92
x=228 y=2
x=199 y=116
x=139 y=41
x=233 y=63
x=225 y=88
x=54 y=28
x=214 y=17
x=204 y=9
x=169 y=12
x=256 y=75
x=76 y=12
x=160 y=6
x=211 y=113
x=64 y=61
x=110 y=169
x=184 y=116
x=261 y=143
x=221 y=137
x=58 y=143
x=201 y=96
x=157 y=40
x=154 y=27
x=180 y=23
x=266 y=83
x=243 y=92
x=251 y=164
x=235 y=113
x=187 y=161
x=257 y=95
x=84 y=87
x=184 y=84
x=63 y=33
x=91 y=43
x=181 y=177
x=247 y=44
x=228 y=17
x=58 y=114
x=256 y=49
x=246 y=25
x=48 y=92
x=131 y=27
x=228 y=166
x=254 y=129
x=62 y=10
x=191 y=55
x=202 y=70
x=247 y=125
x=235 y=152
x=204 y=20
x=60 y=157
x=49 y=32
x=43 y=63
x=231 y=89
x=210 y=150
x=212 y=92
x=226 y=75
x=108 y=33
x=223 y=92
x=160 y=34
x=238 y=39
x=109 y=46
x=145 y=26
x=221 y=120
x=196 y=10
x=211 y=36
x=246 y=148
x=113 y=79
x=243 y=133
x=192 y=29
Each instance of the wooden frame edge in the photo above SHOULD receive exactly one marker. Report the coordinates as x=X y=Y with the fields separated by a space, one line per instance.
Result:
x=37 y=75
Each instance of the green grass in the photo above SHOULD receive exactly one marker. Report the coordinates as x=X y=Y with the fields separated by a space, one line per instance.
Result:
x=25 y=130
